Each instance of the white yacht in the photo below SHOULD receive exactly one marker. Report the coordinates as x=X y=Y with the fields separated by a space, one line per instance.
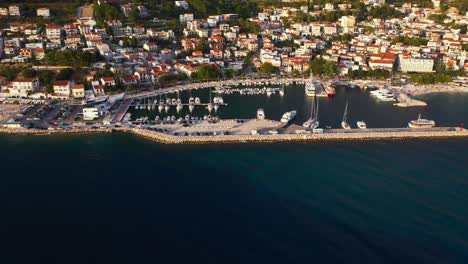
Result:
x=161 y=106
x=421 y=123
x=260 y=114
x=218 y=100
x=191 y=100
x=209 y=107
x=344 y=122
x=191 y=107
x=174 y=101
x=288 y=116
x=197 y=101
x=167 y=107
x=168 y=100
x=179 y=107
x=361 y=124
x=216 y=107
x=310 y=86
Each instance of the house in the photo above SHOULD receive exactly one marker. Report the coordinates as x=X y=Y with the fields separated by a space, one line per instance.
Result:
x=4 y=11
x=53 y=32
x=109 y=81
x=99 y=90
x=78 y=91
x=182 y=5
x=150 y=46
x=62 y=88
x=24 y=87
x=14 y=10
x=43 y=12
x=128 y=80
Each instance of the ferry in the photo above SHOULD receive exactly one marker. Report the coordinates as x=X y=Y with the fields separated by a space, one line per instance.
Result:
x=421 y=123
x=310 y=86
x=361 y=124
x=288 y=116
x=260 y=114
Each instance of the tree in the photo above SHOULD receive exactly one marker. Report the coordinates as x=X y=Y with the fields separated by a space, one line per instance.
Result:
x=28 y=73
x=268 y=69
x=65 y=74
x=208 y=72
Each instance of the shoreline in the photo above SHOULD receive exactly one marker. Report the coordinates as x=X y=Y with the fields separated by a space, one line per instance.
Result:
x=230 y=139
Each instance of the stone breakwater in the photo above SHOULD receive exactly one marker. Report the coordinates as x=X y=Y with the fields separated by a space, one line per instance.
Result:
x=170 y=139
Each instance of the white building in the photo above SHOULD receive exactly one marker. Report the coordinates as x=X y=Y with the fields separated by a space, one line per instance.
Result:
x=14 y=10
x=90 y=113
x=62 y=88
x=416 y=64
x=24 y=87
x=182 y=4
x=184 y=18
x=43 y=12
x=53 y=32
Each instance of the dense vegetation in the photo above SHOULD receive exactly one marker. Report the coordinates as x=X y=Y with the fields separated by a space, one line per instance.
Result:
x=377 y=73
x=70 y=58
x=320 y=66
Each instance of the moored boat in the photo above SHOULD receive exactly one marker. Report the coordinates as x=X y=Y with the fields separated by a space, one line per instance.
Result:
x=361 y=124
x=288 y=116
x=421 y=123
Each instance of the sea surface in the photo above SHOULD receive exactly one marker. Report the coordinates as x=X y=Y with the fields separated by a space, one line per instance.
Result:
x=122 y=199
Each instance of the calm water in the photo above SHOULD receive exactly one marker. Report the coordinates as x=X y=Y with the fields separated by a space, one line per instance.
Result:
x=445 y=109
x=122 y=199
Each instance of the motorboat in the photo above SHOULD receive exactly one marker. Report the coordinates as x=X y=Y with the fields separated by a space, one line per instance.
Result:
x=167 y=107
x=288 y=116
x=197 y=101
x=361 y=124
x=260 y=114
x=179 y=107
x=191 y=107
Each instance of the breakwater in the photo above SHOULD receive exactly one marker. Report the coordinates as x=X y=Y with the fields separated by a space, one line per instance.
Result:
x=171 y=139
x=334 y=136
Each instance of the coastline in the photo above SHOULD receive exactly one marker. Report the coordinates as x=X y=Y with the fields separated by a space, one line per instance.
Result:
x=170 y=139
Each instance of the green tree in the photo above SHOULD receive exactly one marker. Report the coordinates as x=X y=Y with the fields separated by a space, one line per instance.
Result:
x=267 y=69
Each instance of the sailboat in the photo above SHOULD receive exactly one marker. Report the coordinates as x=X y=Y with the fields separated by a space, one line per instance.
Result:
x=344 y=123
x=313 y=122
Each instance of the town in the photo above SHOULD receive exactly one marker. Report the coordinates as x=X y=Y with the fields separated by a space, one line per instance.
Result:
x=85 y=64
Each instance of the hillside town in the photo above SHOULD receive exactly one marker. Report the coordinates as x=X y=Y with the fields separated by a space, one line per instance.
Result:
x=114 y=47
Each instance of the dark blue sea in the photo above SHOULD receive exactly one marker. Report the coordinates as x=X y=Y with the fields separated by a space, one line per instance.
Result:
x=122 y=199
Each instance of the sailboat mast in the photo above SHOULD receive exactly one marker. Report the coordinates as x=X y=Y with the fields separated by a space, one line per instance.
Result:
x=345 y=112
